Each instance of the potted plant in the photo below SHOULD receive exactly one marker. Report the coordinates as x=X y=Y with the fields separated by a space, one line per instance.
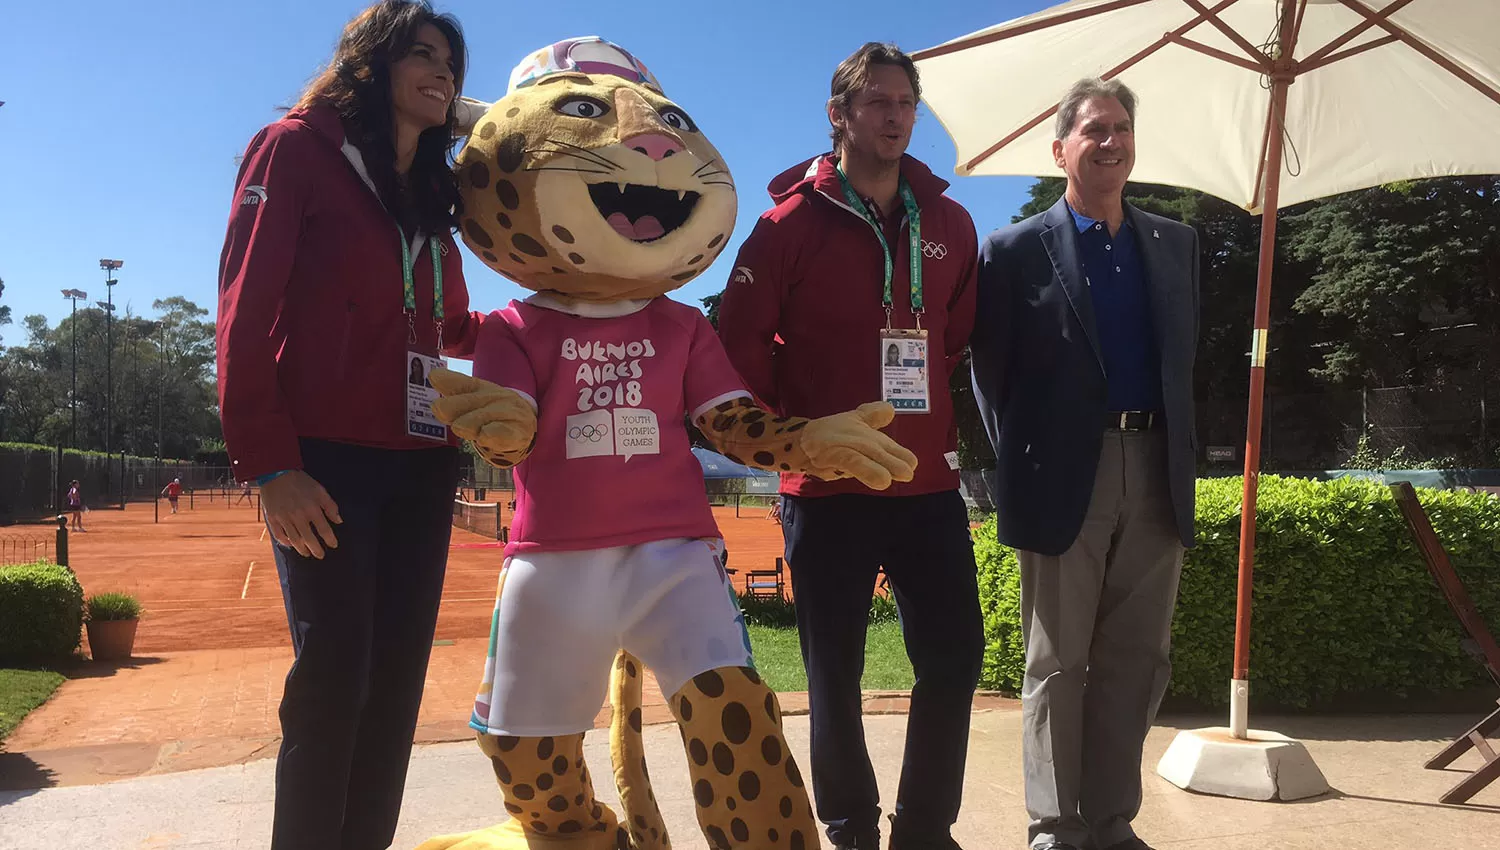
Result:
x=112 y=619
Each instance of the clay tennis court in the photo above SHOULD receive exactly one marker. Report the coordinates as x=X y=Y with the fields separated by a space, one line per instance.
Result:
x=207 y=579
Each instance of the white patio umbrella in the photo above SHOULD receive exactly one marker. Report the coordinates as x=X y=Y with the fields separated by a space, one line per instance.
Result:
x=1259 y=102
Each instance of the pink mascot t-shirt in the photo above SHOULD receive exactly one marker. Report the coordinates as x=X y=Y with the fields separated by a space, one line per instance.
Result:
x=612 y=465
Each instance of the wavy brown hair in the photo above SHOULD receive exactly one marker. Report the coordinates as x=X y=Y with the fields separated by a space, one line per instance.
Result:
x=853 y=74
x=358 y=84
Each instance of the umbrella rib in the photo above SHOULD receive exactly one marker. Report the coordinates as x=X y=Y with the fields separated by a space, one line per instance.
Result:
x=1315 y=59
x=1023 y=29
x=1265 y=144
x=1305 y=66
x=1110 y=74
x=1213 y=18
x=1426 y=50
x=1222 y=55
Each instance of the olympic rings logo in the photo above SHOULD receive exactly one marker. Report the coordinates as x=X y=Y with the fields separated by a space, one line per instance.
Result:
x=934 y=250
x=592 y=433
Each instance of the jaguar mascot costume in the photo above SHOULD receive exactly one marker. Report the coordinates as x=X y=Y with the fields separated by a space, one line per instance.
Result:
x=591 y=188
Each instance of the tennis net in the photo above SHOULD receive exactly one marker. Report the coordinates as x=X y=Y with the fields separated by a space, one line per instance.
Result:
x=482 y=518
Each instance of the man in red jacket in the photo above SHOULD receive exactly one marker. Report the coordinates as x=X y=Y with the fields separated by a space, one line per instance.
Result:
x=862 y=254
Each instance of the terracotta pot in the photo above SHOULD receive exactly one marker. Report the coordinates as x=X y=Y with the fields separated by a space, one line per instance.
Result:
x=111 y=640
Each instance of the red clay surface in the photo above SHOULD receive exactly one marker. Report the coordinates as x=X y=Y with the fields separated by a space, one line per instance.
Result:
x=207 y=579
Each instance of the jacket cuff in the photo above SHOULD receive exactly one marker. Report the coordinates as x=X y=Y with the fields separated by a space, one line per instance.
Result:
x=266 y=458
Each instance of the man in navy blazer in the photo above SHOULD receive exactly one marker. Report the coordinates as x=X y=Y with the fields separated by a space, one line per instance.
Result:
x=1083 y=352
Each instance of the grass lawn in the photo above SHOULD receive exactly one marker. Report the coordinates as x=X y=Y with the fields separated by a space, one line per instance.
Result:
x=779 y=658
x=20 y=692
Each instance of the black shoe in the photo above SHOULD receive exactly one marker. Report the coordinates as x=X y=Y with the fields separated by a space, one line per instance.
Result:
x=862 y=842
x=1130 y=844
x=944 y=843
x=1057 y=845
x=919 y=841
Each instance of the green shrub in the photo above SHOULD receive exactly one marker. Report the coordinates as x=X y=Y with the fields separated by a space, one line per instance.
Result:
x=883 y=609
x=112 y=606
x=1343 y=605
x=782 y=613
x=41 y=611
x=777 y=612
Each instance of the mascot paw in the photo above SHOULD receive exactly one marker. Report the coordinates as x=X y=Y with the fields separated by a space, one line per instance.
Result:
x=850 y=445
x=511 y=836
x=494 y=418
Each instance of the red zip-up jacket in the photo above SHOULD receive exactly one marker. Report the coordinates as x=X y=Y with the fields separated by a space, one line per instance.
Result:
x=312 y=330
x=802 y=314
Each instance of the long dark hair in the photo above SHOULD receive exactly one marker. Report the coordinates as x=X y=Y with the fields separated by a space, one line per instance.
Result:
x=358 y=84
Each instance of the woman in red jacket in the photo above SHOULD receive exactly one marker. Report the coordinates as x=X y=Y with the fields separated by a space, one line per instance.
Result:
x=338 y=269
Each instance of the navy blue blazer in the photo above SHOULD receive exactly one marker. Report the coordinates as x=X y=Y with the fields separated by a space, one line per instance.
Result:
x=1039 y=374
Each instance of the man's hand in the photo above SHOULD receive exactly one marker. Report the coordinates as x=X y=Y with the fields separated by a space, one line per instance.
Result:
x=850 y=445
x=491 y=416
x=298 y=512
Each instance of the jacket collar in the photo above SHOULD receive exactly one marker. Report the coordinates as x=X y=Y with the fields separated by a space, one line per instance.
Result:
x=819 y=175
x=1060 y=236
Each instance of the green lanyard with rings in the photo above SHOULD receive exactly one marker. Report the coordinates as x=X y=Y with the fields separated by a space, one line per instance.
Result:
x=408 y=269
x=914 y=229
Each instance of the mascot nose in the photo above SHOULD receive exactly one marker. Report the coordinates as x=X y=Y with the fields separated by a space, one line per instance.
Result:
x=655 y=145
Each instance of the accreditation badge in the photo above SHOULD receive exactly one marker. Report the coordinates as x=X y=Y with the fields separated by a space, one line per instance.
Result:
x=420 y=420
x=905 y=379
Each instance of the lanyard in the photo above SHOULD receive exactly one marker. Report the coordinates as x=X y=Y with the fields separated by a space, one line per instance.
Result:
x=408 y=282
x=914 y=230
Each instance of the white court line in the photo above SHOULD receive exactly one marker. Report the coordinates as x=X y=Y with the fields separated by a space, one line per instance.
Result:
x=246 y=589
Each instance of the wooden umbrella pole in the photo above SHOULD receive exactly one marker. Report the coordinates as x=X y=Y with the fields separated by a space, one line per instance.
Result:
x=1239 y=693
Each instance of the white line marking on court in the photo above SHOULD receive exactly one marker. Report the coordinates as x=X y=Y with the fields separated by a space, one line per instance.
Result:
x=246 y=589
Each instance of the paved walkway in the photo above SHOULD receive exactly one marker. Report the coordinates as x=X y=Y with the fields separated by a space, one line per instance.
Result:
x=1383 y=801
x=186 y=710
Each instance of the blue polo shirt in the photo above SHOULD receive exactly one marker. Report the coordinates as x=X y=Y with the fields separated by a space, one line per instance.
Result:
x=1122 y=312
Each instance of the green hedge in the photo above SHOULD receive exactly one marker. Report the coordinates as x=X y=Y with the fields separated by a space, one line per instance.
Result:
x=1344 y=605
x=41 y=612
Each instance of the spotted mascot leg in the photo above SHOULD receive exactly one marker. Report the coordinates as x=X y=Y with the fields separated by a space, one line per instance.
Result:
x=747 y=786
x=549 y=796
x=648 y=831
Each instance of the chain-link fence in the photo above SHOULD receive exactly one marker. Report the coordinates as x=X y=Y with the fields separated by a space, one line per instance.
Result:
x=1389 y=427
x=34 y=480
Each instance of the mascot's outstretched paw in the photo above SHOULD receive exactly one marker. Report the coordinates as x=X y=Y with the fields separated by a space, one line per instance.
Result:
x=850 y=444
x=494 y=418
x=510 y=836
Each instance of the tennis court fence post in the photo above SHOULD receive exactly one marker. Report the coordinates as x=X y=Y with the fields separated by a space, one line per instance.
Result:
x=62 y=541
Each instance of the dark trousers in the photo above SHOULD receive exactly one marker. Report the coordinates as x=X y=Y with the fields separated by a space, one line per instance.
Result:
x=834 y=546
x=362 y=621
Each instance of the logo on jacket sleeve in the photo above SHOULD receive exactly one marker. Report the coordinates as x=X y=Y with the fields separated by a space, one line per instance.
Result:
x=742 y=274
x=254 y=196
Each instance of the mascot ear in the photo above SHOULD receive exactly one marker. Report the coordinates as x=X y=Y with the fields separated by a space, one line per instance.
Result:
x=466 y=113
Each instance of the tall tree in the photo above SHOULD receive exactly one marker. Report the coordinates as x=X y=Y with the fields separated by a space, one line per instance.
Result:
x=4 y=309
x=168 y=361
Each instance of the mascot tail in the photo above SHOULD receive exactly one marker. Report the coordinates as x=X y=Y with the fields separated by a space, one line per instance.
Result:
x=628 y=753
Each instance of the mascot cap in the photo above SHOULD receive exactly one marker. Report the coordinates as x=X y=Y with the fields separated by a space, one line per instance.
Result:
x=587 y=55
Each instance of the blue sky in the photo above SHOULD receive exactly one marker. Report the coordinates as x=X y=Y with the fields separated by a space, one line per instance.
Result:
x=122 y=121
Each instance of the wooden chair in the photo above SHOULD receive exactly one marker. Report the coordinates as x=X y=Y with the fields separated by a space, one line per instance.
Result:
x=1481 y=645
x=766 y=584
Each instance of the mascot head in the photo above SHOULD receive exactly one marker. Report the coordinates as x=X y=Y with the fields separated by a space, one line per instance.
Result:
x=586 y=181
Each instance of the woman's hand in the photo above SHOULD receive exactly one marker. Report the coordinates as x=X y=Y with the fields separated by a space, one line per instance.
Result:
x=298 y=512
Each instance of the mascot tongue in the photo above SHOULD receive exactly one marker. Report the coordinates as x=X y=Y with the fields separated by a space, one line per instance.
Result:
x=645 y=227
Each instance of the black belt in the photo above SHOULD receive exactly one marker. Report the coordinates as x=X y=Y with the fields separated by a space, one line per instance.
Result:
x=1132 y=420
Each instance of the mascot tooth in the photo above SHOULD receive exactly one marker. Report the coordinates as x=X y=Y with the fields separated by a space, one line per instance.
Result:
x=590 y=187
